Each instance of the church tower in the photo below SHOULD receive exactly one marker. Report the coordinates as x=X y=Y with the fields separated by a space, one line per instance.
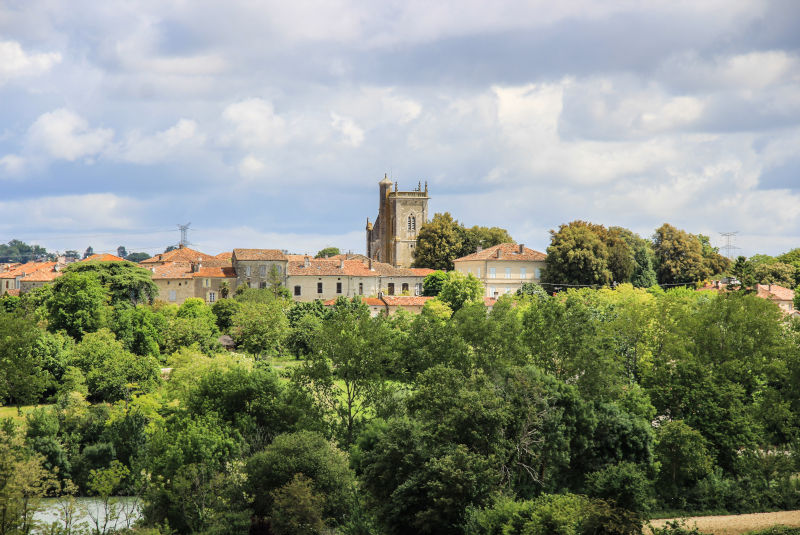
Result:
x=393 y=236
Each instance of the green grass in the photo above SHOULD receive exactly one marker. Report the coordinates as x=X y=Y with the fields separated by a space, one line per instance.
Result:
x=11 y=412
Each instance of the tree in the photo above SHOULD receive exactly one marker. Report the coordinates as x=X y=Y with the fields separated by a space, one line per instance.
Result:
x=139 y=329
x=122 y=252
x=125 y=282
x=137 y=257
x=76 y=304
x=576 y=255
x=275 y=282
x=792 y=258
x=22 y=378
x=297 y=508
x=484 y=237
x=88 y=252
x=743 y=271
x=775 y=273
x=327 y=252
x=225 y=310
x=260 y=328
x=348 y=364
x=439 y=242
x=679 y=256
x=432 y=284
x=684 y=460
x=460 y=289
x=19 y=251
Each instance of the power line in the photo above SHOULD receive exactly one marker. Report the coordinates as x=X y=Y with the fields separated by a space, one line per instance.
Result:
x=730 y=238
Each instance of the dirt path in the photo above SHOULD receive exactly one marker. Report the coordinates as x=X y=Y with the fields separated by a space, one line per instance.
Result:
x=737 y=524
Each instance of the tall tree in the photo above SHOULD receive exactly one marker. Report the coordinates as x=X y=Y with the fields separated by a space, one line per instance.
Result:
x=125 y=282
x=679 y=256
x=439 y=242
x=22 y=377
x=88 y=252
x=122 y=252
x=76 y=304
x=577 y=255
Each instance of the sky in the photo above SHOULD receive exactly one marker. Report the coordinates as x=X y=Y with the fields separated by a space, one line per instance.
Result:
x=269 y=124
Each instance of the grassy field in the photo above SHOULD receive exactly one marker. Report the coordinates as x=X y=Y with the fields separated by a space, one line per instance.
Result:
x=738 y=524
x=11 y=412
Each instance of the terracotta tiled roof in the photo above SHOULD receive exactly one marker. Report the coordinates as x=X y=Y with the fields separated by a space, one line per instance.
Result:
x=12 y=291
x=26 y=269
x=369 y=301
x=324 y=267
x=774 y=292
x=172 y=270
x=259 y=254
x=227 y=255
x=349 y=256
x=422 y=272
x=105 y=257
x=406 y=300
x=42 y=275
x=225 y=272
x=489 y=301
x=181 y=254
x=508 y=251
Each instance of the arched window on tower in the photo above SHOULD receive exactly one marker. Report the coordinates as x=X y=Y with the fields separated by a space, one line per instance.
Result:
x=412 y=223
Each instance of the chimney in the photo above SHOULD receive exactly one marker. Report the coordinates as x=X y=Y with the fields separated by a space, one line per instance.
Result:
x=307 y=261
x=480 y=248
x=521 y=248
x=499 y=252
x=370 y=265
x=341 y=263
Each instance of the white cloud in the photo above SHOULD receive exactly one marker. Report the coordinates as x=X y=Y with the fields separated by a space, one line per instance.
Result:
x=12 y=165
x=161 y=146
x=15 y=62
x=352 y=134
x=66 y=135
x=255 y=124
x=250 y=166
x=72 y=212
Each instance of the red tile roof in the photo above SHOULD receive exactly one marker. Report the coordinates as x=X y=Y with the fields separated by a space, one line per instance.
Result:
x=369 y=301
x=422 y=272
x=226 y=272
x=181 y=254
x=508 y=251
x=172 y=270
x=12 y=291
x=26 y=269
x=259 y=254
x=406 y=300
x=774 y=292
x=42 y=275
x=325 y=267
x=227 y=255
x=104 y=257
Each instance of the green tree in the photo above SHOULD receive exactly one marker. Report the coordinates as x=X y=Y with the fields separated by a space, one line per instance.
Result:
x=324 y=465
x=684 y=459
x=19 y=251
x=432 y=284
x=792 y=258
x=484 y=237
x=137 y=257
x=348 y=364
x=576 y=255
x=260 y=328
x=22 y=378
x=122 y=252
x=643 y=275
x=275 y=282
x=775 y=273
x=439 y=242
x=327 y=252
x=297 y=508
x=679 y=256
x=460 y=289
x=125 y=282
x=139 y=329
x=743 y=271
x=225 y=310
x=76 y=304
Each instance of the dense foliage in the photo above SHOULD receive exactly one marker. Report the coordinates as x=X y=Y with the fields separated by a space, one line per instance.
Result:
x=580 y=412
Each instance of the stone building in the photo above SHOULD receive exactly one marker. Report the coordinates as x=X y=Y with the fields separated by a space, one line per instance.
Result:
x=253 y=266
x=504 y=268
x=393 y=237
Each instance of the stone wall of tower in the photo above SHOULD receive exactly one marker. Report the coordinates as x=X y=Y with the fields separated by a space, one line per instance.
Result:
x=392 y=237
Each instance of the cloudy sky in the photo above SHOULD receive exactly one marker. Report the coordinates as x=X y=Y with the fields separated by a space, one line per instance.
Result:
x=269 y=124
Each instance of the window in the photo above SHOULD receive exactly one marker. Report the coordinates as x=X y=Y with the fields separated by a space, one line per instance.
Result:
x=492 y=273
x=212 y=297
x=319 y=287
x=479 y=273
x=360 y=288
x=296 y=290
x=508 y=273
x=391 y=288
x=492 y=291
x=263 y=271
x=207 y=283
x=538 y=273
x=247 y=271
x=262 y=285
x=405 y=288
x=412 y=223
x=338 y=287
x=173 y=295
x=278 y=268
x=523 y=273
x=418 y=288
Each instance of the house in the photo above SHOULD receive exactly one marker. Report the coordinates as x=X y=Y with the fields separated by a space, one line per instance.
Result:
x=322 y=278
x=181 y=254
x=48 y=272
x=179 y=281
x=11 y=278
x=783 y=297
x=253 y=266
x=387 y=304
x=503 y=268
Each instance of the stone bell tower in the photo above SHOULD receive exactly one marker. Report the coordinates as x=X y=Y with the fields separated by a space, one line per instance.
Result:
x=393 y=236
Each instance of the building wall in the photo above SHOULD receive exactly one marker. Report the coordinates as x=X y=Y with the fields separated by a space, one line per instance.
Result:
x=481 y=269
x=204 y=287
x=257 y=277
x=183 y=288
x=389 y=239
x=350 y=286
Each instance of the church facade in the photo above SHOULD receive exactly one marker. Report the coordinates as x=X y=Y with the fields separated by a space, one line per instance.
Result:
x=393 y=237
